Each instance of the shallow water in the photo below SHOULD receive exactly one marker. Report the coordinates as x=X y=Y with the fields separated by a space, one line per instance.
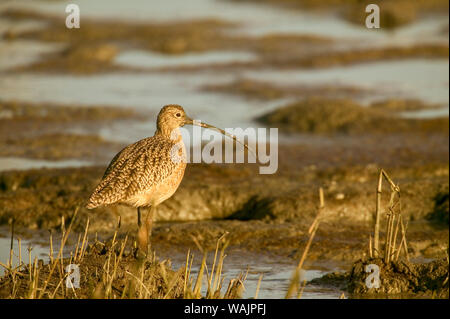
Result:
x=38 y=251
x=145 y=59
x=416 y=78
x=23 y=52
x=13 y=163
x=254 y=19
x=144 y=92
x=276 y=274
x=412 y=78
x=274 y=284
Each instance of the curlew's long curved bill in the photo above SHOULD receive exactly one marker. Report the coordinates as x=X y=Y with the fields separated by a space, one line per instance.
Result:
x=205 y=125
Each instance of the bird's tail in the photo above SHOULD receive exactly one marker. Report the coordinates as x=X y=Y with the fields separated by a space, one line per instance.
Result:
x=91 y=205
x=93 y=202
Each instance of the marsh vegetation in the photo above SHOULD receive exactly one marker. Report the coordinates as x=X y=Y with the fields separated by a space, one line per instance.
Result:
x=347 y=103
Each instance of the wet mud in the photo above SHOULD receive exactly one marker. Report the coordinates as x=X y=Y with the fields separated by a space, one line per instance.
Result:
x=397 y=279
x=340 y=145
x=43 y=131
x=265 y=214
x=396 y=13
x=92 y=49
x=317 y=115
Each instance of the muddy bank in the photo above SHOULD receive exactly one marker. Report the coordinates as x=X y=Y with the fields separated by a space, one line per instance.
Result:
x=54 y=147
x=395 y=13
x=345 y=166
x=326 y=58
x=113 y=269
x=93 y=48
x=317 y=115
x=262 y=90
x=398 y=279
x=50 y=113
x=401 y=105
x=266 y=90
x=43 y=131
x=440 y=213
x=262 y=213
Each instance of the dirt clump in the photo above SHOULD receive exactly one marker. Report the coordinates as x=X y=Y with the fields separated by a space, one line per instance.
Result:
x=318 y=115
x=440 y=211
x=269 y=91
x=43 y=131
x=48 y=112
x=54 y=147
x=401 y=277
x=396 y=279
x=394 y=13
x=400 y=105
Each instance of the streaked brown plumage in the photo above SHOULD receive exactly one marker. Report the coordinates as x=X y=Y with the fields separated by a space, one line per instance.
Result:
x=135 y=174
x=144 y=173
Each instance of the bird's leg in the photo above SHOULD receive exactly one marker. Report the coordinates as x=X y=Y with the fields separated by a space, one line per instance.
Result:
x=144 y=231
x=149 y=224
x=142 y=236
x=139 y=216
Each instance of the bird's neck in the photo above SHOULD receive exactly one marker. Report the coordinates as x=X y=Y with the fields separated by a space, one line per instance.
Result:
x=170 y=133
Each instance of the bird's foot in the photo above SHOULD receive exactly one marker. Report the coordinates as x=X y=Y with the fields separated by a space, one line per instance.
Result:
x=139 y=254
x=144 y=254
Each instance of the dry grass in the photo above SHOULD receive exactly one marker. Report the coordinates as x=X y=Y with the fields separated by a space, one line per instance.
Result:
x=108 y=272
x=119 y=276
x=297 y=286
x=393 y=224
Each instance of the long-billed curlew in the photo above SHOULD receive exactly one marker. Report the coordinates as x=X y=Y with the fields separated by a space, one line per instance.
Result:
x=145 y=173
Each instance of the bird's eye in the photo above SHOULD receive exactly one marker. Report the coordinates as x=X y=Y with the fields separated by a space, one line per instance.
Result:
x=178 y=114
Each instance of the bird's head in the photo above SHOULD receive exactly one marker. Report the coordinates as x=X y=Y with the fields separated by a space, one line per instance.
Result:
x=173 y=116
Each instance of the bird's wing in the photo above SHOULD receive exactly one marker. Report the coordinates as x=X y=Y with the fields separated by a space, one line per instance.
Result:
x=135 y=169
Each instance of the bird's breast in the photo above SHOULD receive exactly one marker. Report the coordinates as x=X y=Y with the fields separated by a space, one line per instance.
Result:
x=161 y=191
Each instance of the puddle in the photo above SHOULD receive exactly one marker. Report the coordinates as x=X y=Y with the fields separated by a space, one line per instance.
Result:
x=22 y=52
x=254 y=19
x=38 y=251
x=7 y=25
x=13 y=163
x=276 y=273
x=275 y=281
x=414 y=78
x=145 y=92
x=145 y=59
x=417 y=78
x=427 y=113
